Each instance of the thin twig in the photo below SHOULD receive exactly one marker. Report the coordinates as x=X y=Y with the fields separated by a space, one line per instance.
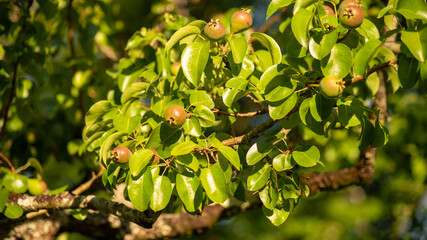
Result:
x=85 y=186
x=12 y=168
x=248 y=114
x=391 y=63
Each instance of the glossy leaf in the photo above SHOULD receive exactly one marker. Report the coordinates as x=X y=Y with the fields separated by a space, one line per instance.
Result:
x=276 y=5
x=368 y=30
x=259 y=176
x=180 y=34
x=416 y=41
x=214 y=183
x=238 y=46
x=96 y=111
x=184 y=148
x=124 y=123
x=202 y=98
x=194 y=59
x=280 y=88
x=13 y=211
x=4 y=194
x=139 y=160
x=135 y=90
x=364 y=56
x=339 y=61
x=257 y=152
x=278 y=215
x=320 y=45
x=283 y=162
x=204 y=115
x=231 y=155
x=192 y=127
x=282 y=71
x=271 y=44
x=300 y=24
x=349 y=112
x=302 y=5
x=269 y=196
x=188 y=187
x=407 y=71
x=161 y=194
x=414 y=9
x=308 y=156
x=320 y=107
x=279 y=110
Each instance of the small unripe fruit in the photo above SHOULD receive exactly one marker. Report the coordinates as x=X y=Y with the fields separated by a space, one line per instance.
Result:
x=175 y=68
x=329 y=11
x=240 y=21
x=175 y=116
x=155 y=157
x=121 y=155
x=331 y=86
x=214 y=30
x=351 y=16
x=36 y=186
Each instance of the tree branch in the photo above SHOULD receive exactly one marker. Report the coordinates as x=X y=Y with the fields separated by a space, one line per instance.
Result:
x=248 y=114
x=391 y=63
x=66 y=200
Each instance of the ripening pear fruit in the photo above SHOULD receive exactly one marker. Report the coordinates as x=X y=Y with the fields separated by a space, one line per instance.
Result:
x=175 y=116
x=329 y=11
x=121 y=154
x=214 y=30
x=347 y=3
x=351 y=16
x=331 y=86
x=175 y=68
x=240 y=21
x=155 y=157
x=36 y=186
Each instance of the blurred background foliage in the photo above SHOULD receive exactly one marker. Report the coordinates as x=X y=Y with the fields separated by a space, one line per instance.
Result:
x=67 y=54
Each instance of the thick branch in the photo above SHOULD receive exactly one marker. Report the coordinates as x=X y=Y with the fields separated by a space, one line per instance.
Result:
x=66 y=200
x=254 y=133
x=248 y=114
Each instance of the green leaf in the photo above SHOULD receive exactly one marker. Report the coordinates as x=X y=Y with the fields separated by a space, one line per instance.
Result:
x=204 y=115
x=278 y=215
x=283 y=162
x=4 y=194
x=416 y=41
x=320 y=107
x=124 y=123
x=269 y=196
x=280 y=88
x=194 y=59
x=180 y=34
x=423 y=77
x=79 y=214
x=304 y=110
x=295 y=49
x=161 y=194
x=339 y=61
x=13 y=211
x=189 y=160
x=238 y=46
x=231 y=95
x=257 y=152
x=380 y=135
x=163 y=139
x=300 y=24
x=214 y=183
x=198 y=97
x=302 y=5
x=280 y=71
x=140 y=190
x=271 y=44
x=308 y=156
x=349 y=112
x=139 y=160
x=259 y=176
x=189 y=189
x=290 y=189
x=407 y=71
x=15 y=182
x=364 y=56
x=238 y=83
x=192 y=127
x=184 y=148
x=276 y=5
x=279 y=110
x=368 y=30
x=135 y=90
x=413 y=9
x=231 y=155
x=320 y=45
x=106 y=146
x=97 y=111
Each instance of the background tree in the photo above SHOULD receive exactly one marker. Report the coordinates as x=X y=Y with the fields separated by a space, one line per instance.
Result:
x=261 y=118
